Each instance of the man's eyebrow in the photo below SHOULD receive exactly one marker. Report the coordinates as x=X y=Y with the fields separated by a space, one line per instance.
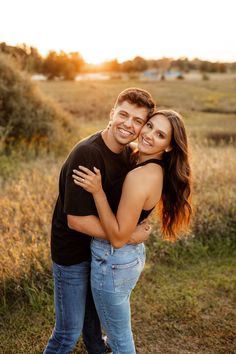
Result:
x=144 y=120
x=123 y=111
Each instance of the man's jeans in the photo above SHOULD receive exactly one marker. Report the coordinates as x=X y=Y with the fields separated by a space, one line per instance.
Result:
x=114 y=273
x=75 y=311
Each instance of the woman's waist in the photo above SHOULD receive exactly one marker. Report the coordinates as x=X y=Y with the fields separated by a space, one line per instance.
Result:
x=106 y=245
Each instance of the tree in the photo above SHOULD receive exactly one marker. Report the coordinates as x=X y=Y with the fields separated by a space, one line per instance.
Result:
x=112 y=66
x=62 y=65
x=127 y=66
x=139 y=64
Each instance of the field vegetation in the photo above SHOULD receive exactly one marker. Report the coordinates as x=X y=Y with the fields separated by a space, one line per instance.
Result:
x=185 y=301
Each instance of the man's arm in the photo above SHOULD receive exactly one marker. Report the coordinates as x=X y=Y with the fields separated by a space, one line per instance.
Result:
x=91 y=226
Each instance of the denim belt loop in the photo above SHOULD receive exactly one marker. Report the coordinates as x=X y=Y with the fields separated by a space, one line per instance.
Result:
x=112 y=250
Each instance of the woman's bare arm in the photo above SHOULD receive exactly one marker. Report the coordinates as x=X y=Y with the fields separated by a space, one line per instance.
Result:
x=134 y=194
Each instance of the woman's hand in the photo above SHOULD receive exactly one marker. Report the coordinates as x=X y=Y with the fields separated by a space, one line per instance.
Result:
x=88 y=180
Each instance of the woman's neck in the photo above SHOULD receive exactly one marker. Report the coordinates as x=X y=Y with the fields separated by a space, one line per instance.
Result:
x=144 y=157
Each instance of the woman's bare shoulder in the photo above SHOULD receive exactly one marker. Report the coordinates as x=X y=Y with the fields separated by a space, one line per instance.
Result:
x=147 y=173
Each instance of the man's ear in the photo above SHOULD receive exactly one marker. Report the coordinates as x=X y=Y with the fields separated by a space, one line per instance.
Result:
x=112 y=113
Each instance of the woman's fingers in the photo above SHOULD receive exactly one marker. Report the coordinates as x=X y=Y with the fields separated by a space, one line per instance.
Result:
x=86 y=170
x=81 y=174
x=88 y=180
x=78 y=183
x=76 y=171
x=97 y=171
x=85 y=184
x=78 y=178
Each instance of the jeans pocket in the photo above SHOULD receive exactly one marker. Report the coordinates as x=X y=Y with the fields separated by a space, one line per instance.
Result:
x=126 y=275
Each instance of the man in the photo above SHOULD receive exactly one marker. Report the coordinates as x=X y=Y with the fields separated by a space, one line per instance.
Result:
x=75 y=217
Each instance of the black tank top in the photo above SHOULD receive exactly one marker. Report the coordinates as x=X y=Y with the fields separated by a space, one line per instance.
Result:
x=144 y=213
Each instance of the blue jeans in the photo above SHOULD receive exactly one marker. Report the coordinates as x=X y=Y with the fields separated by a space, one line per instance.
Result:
x=114 y=273
x=75 y=311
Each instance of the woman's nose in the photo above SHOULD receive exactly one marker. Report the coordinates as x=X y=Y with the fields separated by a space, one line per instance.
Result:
x=149 y=134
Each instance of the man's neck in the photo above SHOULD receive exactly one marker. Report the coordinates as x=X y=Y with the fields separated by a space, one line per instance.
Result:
x=111 y=143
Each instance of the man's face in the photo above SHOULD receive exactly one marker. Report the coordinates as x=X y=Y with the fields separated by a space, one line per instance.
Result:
x=126 y=122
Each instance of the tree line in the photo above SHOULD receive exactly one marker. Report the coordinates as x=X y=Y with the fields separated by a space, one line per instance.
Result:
x=66 y=66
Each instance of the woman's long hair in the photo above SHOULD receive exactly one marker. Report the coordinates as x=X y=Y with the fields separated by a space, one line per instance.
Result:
x=175 y=207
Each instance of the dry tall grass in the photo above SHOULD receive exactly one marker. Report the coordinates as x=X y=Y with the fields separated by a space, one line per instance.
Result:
x=27 y=203
x=189 y=306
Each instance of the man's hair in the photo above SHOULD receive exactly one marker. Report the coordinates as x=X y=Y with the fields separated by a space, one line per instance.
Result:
x=138 y=97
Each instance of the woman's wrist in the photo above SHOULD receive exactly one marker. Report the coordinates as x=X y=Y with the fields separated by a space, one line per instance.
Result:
x=98 y=194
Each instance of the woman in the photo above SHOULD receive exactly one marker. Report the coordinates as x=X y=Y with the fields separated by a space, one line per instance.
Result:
x=161 y=176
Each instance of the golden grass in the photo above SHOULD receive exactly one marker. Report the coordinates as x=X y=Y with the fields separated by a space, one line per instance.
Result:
x=179 y=306
x=27 y=203
x=27 y=199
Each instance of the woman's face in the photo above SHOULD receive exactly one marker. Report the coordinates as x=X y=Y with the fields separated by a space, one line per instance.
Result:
x=155 y=137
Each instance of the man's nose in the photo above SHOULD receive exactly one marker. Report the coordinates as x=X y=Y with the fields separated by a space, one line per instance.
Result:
x=128 y=122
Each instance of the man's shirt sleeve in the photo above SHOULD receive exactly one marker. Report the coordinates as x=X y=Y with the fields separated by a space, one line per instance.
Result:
x=77 y=201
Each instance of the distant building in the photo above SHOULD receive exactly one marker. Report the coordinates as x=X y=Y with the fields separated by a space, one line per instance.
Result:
x=92 y=76
x=157 y=74
x=150 y=74
x=173 y=74
x=38 y=77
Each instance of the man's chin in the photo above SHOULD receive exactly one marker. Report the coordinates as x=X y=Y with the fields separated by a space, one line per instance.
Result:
x=124 y=140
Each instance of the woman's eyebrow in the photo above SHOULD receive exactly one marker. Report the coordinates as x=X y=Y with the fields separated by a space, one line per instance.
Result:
x=161 y=131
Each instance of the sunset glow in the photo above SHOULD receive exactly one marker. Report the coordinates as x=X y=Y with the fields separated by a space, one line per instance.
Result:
x=107 y=29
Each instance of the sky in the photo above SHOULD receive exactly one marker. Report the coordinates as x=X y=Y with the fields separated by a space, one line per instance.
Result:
x=103 y=30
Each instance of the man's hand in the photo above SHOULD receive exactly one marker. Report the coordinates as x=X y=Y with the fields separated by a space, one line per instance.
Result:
x=141 y=233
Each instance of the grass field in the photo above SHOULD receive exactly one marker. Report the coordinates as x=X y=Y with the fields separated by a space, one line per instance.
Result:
x=185 y=301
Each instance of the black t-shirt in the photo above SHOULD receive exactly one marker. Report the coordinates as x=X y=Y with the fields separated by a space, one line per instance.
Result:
x=69 y=246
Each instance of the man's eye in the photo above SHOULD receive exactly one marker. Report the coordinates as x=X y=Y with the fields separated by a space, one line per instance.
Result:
x=138 y=121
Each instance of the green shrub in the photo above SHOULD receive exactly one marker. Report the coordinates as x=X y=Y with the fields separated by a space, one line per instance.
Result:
x=180 y=77
x=26 y=116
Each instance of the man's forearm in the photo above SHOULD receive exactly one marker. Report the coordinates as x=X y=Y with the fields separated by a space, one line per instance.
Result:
x=89 y=225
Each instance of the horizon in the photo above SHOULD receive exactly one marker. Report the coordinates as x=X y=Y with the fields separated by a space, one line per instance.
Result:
x=119 y=61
